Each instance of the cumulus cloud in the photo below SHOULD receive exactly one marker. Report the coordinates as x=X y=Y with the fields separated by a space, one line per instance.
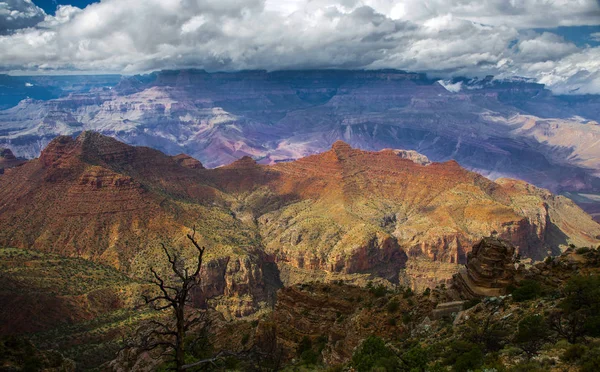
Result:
x=444 y=38
x=18 y=14
x=545 y=47
x=515 y=13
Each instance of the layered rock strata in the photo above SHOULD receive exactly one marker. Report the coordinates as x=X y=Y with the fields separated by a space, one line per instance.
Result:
x=489 y=271
x=345 y=212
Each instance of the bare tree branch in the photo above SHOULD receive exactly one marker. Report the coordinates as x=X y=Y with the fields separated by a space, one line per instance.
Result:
x=175 y=297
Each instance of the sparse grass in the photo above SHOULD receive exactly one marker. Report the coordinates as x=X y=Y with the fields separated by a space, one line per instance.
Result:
x=79 y=283
x=49 y=273
x=93 y=342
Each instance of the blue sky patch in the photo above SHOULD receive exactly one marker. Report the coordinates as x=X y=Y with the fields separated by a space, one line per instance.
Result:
x=578 y=35
x=50 y=6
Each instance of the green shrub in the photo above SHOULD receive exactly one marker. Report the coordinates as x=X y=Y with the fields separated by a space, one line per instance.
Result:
x=574 y=353
x=532 y=333
x=304 y=345
x=464 y=356
x=245 y=338
x=309 y=357
x=415 y=359
x=374 y=354
x=493 y=362
x=472 y=302
x=527 y=290
x=199 y=346
x=590 y=361
x=580 y=306
x=582 y=250
x=378 y=291
x=592 y=325
x=393 y=306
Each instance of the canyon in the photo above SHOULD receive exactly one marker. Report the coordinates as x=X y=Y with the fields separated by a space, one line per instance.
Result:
x=497 y=127
x=344 y=214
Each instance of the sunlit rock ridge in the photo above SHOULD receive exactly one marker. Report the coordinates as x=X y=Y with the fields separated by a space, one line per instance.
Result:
x=344 y=212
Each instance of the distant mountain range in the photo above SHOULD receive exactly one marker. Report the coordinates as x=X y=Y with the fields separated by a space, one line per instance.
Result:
x=500 y=128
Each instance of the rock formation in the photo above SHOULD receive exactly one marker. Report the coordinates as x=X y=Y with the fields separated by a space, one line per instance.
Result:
x=411 y=155
x=342 y=212
x=8 y=160
x=188 y=161
x=489 y=271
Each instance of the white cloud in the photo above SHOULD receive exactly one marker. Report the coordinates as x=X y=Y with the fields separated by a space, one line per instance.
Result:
x=515 y=13
x=576 y=73
x=545 y=47
x=445 y=38
x=18 y=14
x=454 y=88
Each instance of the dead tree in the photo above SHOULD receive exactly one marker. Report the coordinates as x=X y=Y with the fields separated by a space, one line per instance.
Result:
x=174 y=295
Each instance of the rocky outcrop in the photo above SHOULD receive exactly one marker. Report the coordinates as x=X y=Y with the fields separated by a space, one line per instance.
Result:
x=57 y=149
x=354 y=209
x=489 y=271
x=411 y=155
x=238 y=286
x=187 y=161
x=8 y=160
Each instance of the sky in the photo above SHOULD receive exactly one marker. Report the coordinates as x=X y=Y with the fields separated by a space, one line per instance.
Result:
x=555 y=42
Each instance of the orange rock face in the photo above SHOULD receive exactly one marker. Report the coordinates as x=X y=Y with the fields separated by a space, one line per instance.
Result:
x=343 y=211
